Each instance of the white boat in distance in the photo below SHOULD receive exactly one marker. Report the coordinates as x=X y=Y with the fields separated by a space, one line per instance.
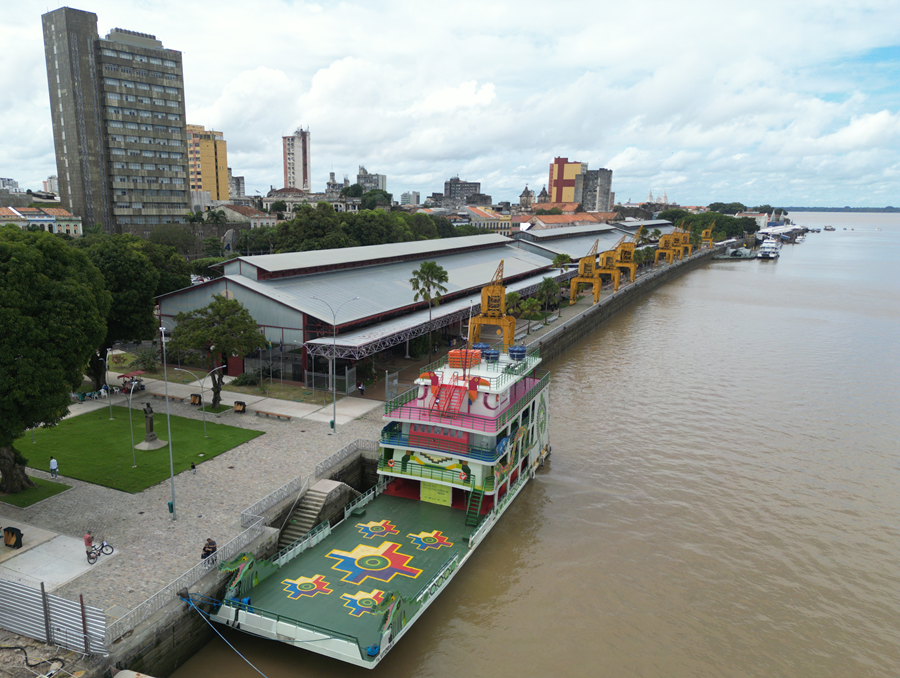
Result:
x=770 y=249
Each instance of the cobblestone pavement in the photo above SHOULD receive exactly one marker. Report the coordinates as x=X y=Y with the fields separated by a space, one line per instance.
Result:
x=151 y=548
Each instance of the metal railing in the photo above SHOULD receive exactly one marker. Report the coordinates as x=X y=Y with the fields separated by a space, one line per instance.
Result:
x=250 y=514
x=344 y=453
x=446 y=568
x=364 y=499
x=170 y=592
x=307 y=541
x=265 y=614
x=429 y=472
x=471 y=421
x=457 y=448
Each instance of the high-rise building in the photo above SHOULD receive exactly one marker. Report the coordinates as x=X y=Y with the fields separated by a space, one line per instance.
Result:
x=371 y=181
x=208 y=161
x=296 y=160
x=236 y=186
x=52 y=184
x=117 y=106
x=562 y=179
x=593 y=189
x=457 y=190
x=10 y=185
x=409 y=198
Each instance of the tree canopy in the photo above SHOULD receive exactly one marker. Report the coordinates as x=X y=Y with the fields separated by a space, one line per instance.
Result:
x=177 y=236
x=428 y=283
x=353 y=191
x=222 y=328
x=53 y=310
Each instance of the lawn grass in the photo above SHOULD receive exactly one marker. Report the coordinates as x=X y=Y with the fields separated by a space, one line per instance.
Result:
x=43 y=489
x=94 y=449
x=209 y=409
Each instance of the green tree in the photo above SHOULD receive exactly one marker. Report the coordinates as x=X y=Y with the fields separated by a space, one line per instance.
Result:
x=216 y=217
x=278 y=206
x=428 y=283
x=222 y=328
x=211 y=247
x=173 y=235
x=375 y=198
x=202 y=267
x=53 y=309
x=548 y=290
x=674 y=215
x=531 y=308
x=131 y=278
x=552 y=210
x=560 y=261
x=354 y=191
x=174 y=271
x=513 y=302
x=194 y=217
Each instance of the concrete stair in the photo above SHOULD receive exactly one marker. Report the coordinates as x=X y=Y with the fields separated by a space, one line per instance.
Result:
x=304 y=518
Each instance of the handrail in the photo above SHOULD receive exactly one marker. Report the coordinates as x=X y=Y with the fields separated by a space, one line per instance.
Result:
x=364 y=499
x=266 y=614
x=430 y=472
x=344 y=453
x=250 y=514
x=436 y=445
x=307 y=541
x=448 y=566
x=470 y=421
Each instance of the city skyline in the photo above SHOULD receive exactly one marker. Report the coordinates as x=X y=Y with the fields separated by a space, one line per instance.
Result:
x=764 y=104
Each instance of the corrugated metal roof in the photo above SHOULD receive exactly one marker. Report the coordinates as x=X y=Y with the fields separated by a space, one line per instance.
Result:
x=396 y=325
x=570 y=230
x=428 y=249
x=385 y=288
x=576 y=246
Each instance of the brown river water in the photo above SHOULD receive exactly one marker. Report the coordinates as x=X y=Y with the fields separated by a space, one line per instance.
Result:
x=722 y=499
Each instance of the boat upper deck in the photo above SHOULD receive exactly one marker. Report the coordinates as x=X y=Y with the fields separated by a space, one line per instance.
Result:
x=344 y=584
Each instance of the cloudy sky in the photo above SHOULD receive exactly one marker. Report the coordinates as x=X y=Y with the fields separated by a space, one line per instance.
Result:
x=780 y=102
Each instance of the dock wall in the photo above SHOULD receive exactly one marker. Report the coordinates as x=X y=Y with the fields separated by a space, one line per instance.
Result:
x=573 y=330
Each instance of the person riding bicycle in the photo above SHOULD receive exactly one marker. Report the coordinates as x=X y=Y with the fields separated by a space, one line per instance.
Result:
x=88 y=542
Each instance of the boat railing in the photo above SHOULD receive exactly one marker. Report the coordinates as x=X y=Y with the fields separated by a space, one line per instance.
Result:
x=434 y=583
x=491 y=516
x=481 y=529
x=367 y=497
x=266 y=614
x=428 y=472
x=319 y=533
x=457 y=448
x=472 y=422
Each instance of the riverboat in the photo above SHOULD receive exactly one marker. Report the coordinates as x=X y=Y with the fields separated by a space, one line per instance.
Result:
x=770 y=249
x=455 y=452
x=828 y=228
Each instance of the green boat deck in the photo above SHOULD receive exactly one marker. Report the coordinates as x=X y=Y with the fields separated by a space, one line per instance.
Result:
x=396 y=546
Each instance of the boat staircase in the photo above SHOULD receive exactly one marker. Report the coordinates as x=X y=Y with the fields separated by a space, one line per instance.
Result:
x=306 y=515
x=473 y=511
x=449 y=398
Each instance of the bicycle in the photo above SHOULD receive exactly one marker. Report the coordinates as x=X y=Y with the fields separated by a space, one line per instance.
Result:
x=97 y=549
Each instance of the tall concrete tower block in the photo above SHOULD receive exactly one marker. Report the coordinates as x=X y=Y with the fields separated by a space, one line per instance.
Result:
x=296 y=160
x=117 y=107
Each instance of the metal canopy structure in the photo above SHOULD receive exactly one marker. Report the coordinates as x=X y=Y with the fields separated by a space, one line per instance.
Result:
x=371 y=340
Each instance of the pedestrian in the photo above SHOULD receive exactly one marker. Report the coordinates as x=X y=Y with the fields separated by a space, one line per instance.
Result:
x=209 y=549
x=362 y=389
x=193 y=468
x=88 y=542
x=54 y=467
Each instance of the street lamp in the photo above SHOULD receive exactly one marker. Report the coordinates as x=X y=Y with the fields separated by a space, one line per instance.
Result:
x=131 y=425
x=108 y=389
x=334 y=356
x=162 y=334
x=203 y=406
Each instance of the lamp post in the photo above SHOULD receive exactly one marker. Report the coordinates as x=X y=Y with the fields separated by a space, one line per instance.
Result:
x=334 y=356
x=131 y=426
x=162 y=334
x=108 y=389
x=203 y=406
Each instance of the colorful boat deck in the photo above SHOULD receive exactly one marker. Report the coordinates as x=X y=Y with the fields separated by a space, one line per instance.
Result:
x=397 y=545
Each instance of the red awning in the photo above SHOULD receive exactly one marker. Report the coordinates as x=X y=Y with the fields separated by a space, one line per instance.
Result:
x=131 y=374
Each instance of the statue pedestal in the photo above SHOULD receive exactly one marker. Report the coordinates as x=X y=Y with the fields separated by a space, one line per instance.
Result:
x=151 y=442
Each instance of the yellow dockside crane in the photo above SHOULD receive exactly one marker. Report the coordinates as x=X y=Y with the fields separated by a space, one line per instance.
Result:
x=625 y=254
x=590 y=273
x=706 y=237
x=669 y=245
x=493 y=311
x=684 y=239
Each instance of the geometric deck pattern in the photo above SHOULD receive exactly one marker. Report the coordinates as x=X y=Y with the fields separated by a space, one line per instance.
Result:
x=362 y=602
x=429 y=540
x=306 y=586
x=382 y=562
x=382 y=528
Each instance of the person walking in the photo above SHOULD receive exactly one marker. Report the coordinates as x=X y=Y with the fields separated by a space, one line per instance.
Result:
x=54 y=467
x=193 y=468
x=88 y=543
x=362 y=389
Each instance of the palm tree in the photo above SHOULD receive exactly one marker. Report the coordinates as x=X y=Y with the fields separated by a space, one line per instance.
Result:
x=194 y=217
x=560 y=261
x=427 y=283
x=531 y=308
x=547 y=290
x=216 y=217
x=513 y=303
